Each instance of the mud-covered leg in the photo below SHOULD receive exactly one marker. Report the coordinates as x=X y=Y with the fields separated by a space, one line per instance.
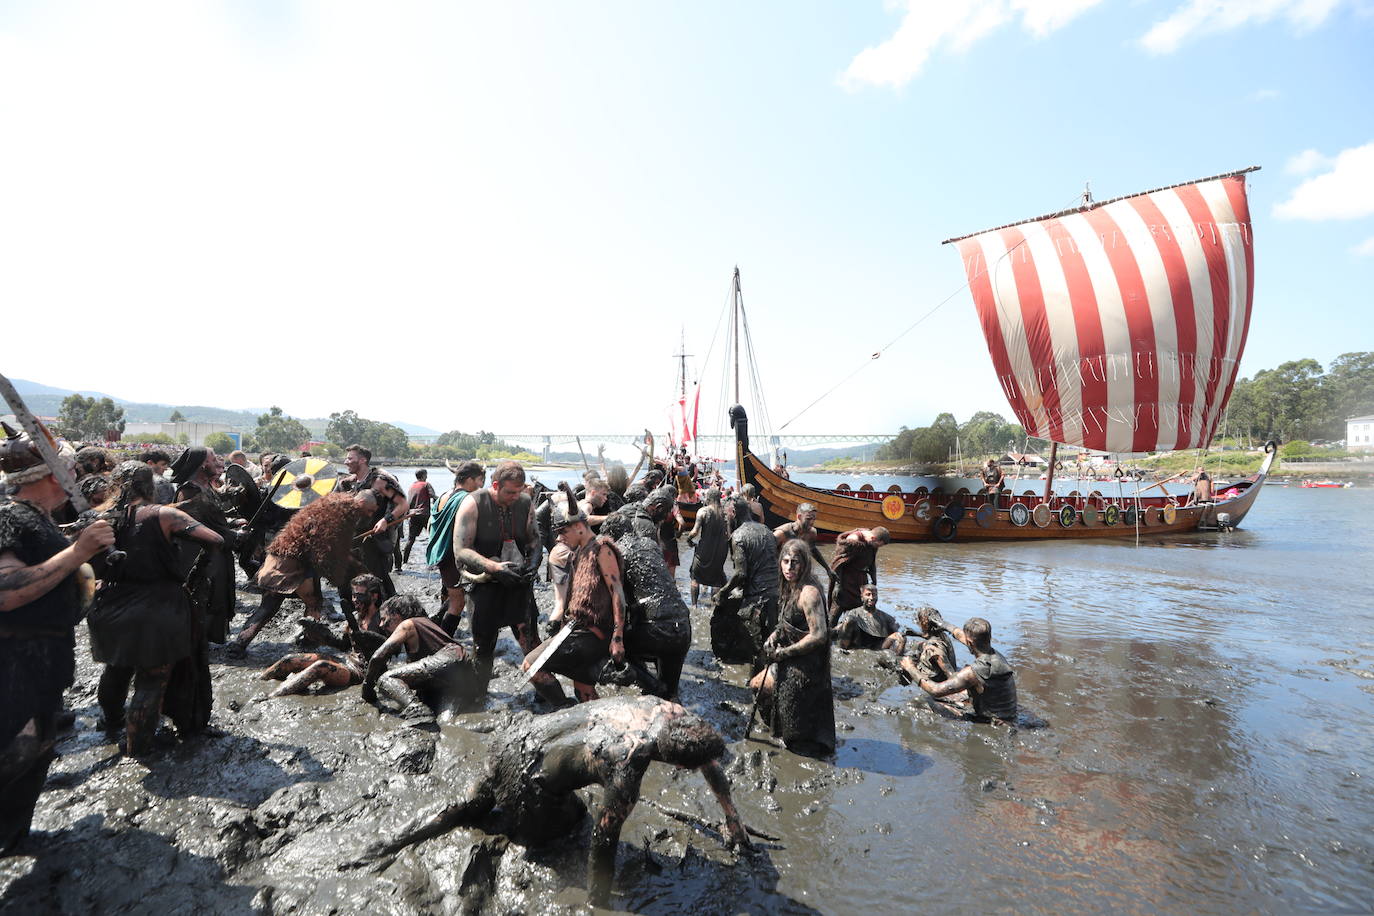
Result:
x=24 y=764
x=267 y=609
x=112 y=693
x=474 y=806
x=145 y=709
x=544 y=684
x=622 y=791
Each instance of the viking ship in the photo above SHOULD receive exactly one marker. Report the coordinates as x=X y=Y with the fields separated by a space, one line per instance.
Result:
x=1115 y=327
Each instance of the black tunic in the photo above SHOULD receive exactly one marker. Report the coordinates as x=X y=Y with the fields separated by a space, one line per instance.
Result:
x=142 y=616
x=803 y=713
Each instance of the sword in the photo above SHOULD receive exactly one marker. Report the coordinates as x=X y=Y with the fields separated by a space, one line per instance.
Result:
x=47 y=447
x=558 y=640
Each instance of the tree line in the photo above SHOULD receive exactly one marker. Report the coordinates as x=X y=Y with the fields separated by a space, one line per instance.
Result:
x=985 y=433
x=1301 y=400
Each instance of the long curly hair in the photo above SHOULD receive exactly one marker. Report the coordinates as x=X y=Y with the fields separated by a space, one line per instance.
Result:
x=802 y=551
x=321 y=535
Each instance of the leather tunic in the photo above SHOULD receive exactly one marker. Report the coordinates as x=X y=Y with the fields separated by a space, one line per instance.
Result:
x=998 y=699
x=495 y=525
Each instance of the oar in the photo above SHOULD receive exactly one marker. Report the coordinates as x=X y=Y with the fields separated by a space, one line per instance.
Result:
x=1160 y=483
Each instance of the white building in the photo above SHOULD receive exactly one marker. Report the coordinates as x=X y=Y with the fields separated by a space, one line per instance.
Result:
x=1359 y=433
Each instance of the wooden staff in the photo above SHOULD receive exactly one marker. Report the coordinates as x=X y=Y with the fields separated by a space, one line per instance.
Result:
x=1160 y=483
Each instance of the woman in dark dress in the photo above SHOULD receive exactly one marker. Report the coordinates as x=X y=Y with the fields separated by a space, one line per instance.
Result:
x=796 y=694
x=141 y=620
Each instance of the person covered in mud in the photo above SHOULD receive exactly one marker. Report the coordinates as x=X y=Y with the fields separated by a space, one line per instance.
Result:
x=528 y=790
x=468 y=478
x=661 y=506
x=658 y=626
x=158 y=461
x=496 y=541
x=439 y=673
x=867 y=627
x=710 y=541
x=140 y=622
x=746 y=609
x=989 y=678
x=933 y=655
x=855 y=562
x=751 y=495
x=803 y=527
x=40 y=605
x=317 y=541
x=594 y=609
x=300 y=670
x=420 y=499
x=795 y=694
x=380 y=541
x=195 y=473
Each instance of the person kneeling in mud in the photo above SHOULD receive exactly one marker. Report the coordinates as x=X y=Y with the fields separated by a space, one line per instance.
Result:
x=933 y=655
x=529 y=788
x=439 y=675
x=594 y=650
x=300 y=670
x=866 y=627
x=989 y=680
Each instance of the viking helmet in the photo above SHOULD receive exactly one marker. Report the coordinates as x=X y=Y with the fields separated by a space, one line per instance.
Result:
x=561 y=517
x=17 y=455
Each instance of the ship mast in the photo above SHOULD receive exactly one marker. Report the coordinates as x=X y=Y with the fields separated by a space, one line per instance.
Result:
x=736 y=305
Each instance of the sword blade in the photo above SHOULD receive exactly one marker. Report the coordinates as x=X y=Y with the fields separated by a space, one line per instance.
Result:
x=558 y=640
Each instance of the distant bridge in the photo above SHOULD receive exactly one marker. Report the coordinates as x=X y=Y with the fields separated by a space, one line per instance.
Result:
x=715 y=444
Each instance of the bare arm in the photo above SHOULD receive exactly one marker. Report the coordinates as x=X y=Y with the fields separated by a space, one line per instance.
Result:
x=402 y=638
x=720 y=787
x=398 y=510
x=610 y=574
x=177 y=523
x=964 y=680
x=20 y=584
x=741 y=569
x=816 y=555
x=817 y=632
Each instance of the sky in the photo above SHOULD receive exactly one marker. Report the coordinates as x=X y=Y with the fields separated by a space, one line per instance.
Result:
x=505 y=216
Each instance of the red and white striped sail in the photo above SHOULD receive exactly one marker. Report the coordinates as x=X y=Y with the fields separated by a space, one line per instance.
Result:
x=1119 y=326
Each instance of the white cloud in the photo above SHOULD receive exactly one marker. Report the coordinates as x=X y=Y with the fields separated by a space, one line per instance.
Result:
x=1199 y=17
x=1307 y=162
x=1264 y=95
x=1365 y=249
x=929 y=24
x=1345 y=192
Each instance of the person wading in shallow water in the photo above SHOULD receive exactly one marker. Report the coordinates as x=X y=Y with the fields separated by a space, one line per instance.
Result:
x=536 y=766
x=710 y=541
x=989 y=680
x=40 y=604
x=378 y=546
x=747 y=607
x=141 y=621
x=795 y=694
x=855 y=562
x=866 y=627
x=496 y=541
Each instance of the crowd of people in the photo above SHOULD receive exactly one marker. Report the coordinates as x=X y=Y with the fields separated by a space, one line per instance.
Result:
x=150 y=567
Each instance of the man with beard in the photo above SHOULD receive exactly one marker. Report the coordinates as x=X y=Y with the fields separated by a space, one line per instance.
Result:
x=658 y=625
x=855 y=562
x=380 y=543
x=803 y=528
x=40 y=604
x=867 y=627
x=496 y=541
x=746 y=609
x=536 y=766
x=711 y=543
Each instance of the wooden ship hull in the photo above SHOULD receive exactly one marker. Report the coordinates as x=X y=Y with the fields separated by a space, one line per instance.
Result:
x=932 y=515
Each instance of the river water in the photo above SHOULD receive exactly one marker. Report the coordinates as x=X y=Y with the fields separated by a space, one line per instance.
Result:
x=1197 y=738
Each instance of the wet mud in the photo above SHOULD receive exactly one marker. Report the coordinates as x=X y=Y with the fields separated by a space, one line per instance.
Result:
x=1187 y=745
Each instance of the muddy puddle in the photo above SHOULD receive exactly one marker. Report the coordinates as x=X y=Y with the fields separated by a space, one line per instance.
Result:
x=1199 y=737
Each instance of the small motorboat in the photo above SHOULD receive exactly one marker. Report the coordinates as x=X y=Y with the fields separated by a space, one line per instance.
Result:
x=1327 y=484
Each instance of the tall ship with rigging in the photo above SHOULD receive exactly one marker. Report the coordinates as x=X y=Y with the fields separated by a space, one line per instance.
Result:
x=1113 y=327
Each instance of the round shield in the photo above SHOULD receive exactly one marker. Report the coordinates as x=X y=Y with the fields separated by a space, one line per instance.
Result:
x=893 y=507
x=986 y=515
x=1090 y=516
x=895 y=488
x=1170 y=513
x=1111 y=515
x=1128 y=517
x=1041 y=516
x=246 y=495
x=303 y=481
x=954 y=511
x=1150 y=516
x=1067 y=516
x=921 y=509
x=866 y=488
x=842 y=488
x=1020 y=514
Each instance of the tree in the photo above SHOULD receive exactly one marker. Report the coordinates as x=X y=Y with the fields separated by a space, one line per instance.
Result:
x=279 y=433
x=220 y=442
x=1350 y=382
x=346 y=428
x=87 y=418
x=176 y=417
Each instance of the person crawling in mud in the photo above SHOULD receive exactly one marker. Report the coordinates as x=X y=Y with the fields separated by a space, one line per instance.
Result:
x=300 y=670
x=867 y=627
x=317 y=541
x=933 y=655
x=439 y=674
x=529 y=788
x=989 y=679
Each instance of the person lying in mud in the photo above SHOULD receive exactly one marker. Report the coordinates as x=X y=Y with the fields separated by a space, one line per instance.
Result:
x=933 y=655
x=439 y=675
x=529 y=788
x=867 y=627
x=317 y=541
x=989 y=679
x=300 y=670
x=594 y=608
x=658 y=624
